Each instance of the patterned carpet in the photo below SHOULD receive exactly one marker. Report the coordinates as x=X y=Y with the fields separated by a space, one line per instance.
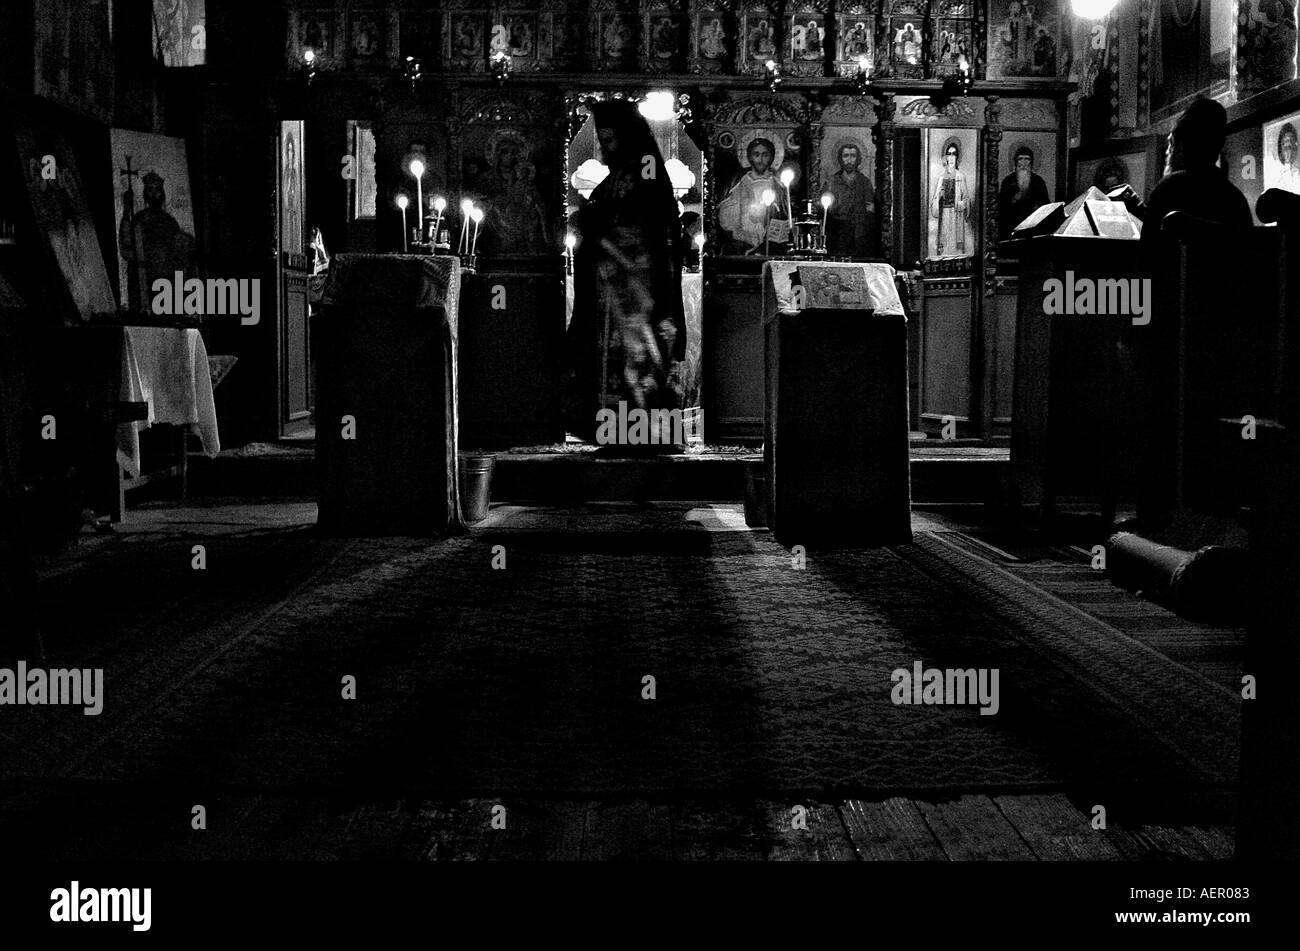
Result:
x=528 y=680
x=1215 y=651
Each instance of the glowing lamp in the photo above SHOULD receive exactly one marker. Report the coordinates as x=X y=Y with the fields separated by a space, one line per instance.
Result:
x=1092 y=9
x=588 y=175
x=658 y=106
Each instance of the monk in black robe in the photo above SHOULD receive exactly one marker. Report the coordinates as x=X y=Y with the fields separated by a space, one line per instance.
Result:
x=627 y=339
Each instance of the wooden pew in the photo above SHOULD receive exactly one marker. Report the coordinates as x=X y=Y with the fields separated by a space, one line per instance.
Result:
x=1269 y=825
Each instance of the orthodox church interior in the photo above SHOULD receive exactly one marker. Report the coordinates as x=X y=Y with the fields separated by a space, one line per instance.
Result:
x=393 y=469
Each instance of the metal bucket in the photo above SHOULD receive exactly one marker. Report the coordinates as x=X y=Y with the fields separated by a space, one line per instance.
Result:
x=475 y=485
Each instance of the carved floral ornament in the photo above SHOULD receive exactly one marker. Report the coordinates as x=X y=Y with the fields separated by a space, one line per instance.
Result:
x=759 y=110
x=921 y=110
x=854 y=110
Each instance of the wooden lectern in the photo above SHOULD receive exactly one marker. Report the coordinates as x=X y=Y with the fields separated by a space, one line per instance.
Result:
x=836 y=447
x=1068 y=421
x=386 y=435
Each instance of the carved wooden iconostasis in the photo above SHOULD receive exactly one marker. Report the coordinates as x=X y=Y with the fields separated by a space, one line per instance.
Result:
x=853 y=100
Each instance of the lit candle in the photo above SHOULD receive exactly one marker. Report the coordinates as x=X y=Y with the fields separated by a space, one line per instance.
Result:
x=827 y=200
x=417 y=169
x=477 y=214
x=787 y=176
x=402 y=202
x=439 y=206
x=570 y=242
x=768 y=197
x=465 y=207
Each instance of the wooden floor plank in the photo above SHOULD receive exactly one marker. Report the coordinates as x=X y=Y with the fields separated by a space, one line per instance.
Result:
x=452 y=832
x=890 y=830
x=1219 y=843
x=635 y=831
x=824 y=839
x=1174 y=842
x=536 y=830
x=274 y=828
x=973 y=829
x=378 y=832
x=1056 y=830
x=712 y=832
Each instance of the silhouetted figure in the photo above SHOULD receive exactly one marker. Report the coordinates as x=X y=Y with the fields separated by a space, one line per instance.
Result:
x=1193 y=181
x=1195 y=185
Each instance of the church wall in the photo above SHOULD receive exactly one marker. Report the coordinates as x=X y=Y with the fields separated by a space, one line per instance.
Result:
x=1139 y=67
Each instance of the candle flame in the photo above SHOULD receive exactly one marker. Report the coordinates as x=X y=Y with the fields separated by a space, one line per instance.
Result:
x=787 y=176
x=768 y=196
x=827 y=200
x=439 y=204
x=417 y=168
x=476 y=214
x=402 y=202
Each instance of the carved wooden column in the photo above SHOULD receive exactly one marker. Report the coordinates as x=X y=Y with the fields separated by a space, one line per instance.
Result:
x=884 y=141
x=708 y=110
x=455 y=127
x=814 y=177
x=992 y=146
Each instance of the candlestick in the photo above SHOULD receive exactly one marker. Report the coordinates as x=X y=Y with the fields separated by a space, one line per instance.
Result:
x=768 y=197
x=787 y=176
x=439 y=205
x=477 y=215
x=417 y=169
x=462 y=246
x=402 y=202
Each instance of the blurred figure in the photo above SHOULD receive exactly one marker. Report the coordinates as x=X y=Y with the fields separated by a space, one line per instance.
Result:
x=627 y=340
